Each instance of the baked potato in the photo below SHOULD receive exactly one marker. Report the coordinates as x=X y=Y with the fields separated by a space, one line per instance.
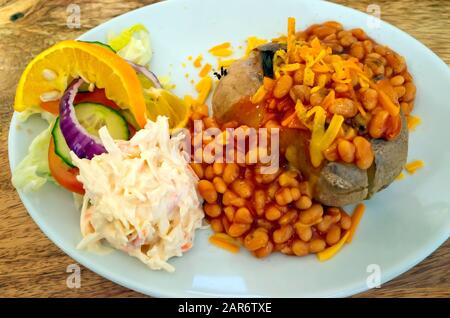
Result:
x=336 y=183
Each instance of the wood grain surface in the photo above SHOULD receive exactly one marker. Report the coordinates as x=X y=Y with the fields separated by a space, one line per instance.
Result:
x=31 y=265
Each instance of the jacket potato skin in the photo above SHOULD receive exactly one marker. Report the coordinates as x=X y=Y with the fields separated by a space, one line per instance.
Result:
x=390 y=158
x=243 y=80
x=336 y=184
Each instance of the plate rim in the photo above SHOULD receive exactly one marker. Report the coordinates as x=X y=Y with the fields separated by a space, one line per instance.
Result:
x=395 y=271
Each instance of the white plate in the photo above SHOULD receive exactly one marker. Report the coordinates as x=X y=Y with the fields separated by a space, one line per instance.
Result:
x=402 y=225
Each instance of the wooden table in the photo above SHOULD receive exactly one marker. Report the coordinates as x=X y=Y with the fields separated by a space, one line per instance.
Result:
x=31 y=265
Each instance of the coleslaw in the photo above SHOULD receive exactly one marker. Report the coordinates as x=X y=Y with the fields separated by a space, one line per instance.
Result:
x=140 y=196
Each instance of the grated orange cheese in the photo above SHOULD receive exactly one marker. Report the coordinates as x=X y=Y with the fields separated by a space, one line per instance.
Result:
x=224 y=241
x=205 y=70
x=252 y=43
x=329 y=252
x=357 y=215
x=401 y=176
x=413 y=122
x=224 y=45
x=413 y=166
x=222 y=52
x=259 y=95
x=225 y=63
x=203 y=88
x=198 y=61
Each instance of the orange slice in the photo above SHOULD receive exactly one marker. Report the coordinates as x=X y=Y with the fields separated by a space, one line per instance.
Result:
x=49 y=73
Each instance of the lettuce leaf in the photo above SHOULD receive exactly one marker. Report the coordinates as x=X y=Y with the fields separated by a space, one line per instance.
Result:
x=133 y=44
x=33 y=171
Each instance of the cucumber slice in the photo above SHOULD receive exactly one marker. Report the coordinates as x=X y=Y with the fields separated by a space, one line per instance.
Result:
x=92 y=117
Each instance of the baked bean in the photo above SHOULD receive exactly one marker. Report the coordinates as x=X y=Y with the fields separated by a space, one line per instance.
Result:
x=219 y=185
x=357 y=50
x=335 y=213
x=346 y=222
x=341 y=88
x=333 y=24
x=317 y=245
x=259 y=201
x=346 y=151
x=388 y=71
x=368 y=46
x=377 y=125
x=407 y=107
x=344 y=106
x=238 y=229
x=243 y=188
x=300 y=248
x=212 y=209
x=287 y=179
x=286 y=249
x=369 y=98
x=359 y=34
x=323 y=31
x=272 y=213
x=300 y=92
x=309 y=216
x=230 y=172
x=347 y=40
x=264 y=251
x=283 y=234
x=210 y=122
x=303 y=203
x=410 y=92
x=243 y=215
x=216 y=225
x=299 y=74
x=289 y=217
x=225 y=223
x=283 y=196
x=256 y=239
x=397 y=62
x=262 y=223
x=269 y=177
x=303 y=232
x=209 y=173
x=331 y=153
x=397 y=80
x=400 y=91
x=295 y=193
x=336 y=48
x=230 y=124
x=343 y=33
x=229 y=212
x=363 y=152
x=316 y=98
x=330 y=38
x=218 y=168
x=207 y=191
x=272 y=190
x=283 y=86
x=198 y=169
x=231 y=198
x=325 y=224
x=333 y=235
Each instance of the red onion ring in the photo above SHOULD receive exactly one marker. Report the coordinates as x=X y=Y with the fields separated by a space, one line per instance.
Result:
x=78 y=139
x=147 y=73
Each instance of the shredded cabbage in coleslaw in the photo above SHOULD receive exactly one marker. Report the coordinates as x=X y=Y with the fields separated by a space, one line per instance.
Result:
x=140 y=196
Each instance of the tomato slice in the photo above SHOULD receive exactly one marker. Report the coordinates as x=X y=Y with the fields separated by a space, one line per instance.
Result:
x=97 y=96
x=65 y=175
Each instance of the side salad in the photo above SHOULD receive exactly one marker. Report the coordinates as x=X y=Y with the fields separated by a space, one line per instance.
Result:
x=109 y=120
